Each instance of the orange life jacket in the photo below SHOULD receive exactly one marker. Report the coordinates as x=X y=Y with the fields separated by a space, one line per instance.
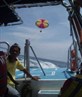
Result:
x=73 y=65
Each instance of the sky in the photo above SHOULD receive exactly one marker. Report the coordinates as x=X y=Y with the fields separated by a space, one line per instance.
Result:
x=52 y=43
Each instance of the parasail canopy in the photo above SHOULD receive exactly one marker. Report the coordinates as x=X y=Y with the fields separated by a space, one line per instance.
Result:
x=42 y=23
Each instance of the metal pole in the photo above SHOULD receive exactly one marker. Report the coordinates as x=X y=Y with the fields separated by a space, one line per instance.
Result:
x=37 y=60
x=3 y=42
x=27 y=62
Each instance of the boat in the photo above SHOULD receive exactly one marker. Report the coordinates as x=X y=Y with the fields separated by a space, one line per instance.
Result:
x=45 y=87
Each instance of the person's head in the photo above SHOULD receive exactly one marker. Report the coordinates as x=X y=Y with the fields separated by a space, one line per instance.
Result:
x=14 y=50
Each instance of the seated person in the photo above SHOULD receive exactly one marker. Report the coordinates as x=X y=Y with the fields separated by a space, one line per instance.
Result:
x=12 y=64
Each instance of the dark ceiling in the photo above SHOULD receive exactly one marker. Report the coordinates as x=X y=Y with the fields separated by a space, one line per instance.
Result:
x=8 y=15
x=2 y=2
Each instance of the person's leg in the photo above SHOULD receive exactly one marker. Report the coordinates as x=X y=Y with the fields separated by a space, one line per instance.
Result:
x=12 y=92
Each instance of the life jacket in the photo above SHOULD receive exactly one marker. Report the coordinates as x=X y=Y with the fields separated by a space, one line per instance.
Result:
x=72 y=88
x=73 y=65
x=3 y=74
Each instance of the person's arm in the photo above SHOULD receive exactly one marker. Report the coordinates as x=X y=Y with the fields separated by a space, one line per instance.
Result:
x=29 y=75
x=20 y=67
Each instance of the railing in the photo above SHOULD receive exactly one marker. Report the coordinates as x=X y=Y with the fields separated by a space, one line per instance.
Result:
x=75 y=20
x=37 y=60
x=7 y=44
x=27 y=57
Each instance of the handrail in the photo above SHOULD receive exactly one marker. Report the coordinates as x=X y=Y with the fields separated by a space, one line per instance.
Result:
x=75 y=20
x=37 y=60
x=26 y=56
x=4 y=42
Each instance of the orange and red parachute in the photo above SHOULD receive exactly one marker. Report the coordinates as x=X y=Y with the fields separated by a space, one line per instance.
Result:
x=42 y=23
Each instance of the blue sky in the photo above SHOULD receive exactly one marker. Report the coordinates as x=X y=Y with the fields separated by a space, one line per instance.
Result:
x=52 y=43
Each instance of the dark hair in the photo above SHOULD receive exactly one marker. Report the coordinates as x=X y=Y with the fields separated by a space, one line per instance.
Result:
x=13 y=46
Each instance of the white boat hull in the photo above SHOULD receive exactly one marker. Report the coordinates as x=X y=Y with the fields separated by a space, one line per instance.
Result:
x=41 y=88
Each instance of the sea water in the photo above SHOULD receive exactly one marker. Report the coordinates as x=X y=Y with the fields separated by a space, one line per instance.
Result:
x=49 y=70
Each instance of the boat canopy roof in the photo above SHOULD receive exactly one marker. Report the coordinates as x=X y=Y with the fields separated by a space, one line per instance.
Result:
x=10 y=17
x=19 y=2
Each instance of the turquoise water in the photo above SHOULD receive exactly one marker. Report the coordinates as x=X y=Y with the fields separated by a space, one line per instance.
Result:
x=53 y=73
x=51 y=69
